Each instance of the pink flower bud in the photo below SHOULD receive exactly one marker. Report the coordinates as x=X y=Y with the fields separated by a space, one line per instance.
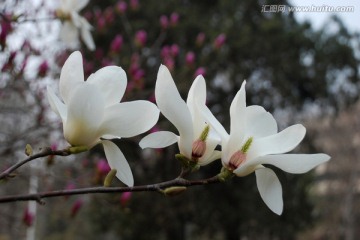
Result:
x=164 y=22
x=121 y=7
x=101 y=23
x=109 y=15
x=5 y=29
x=190 y=58
x=125 y=198
x=165 y=51
x=200 y=39
x=116 y=43
x=103 y=167
x=134 y=4
x=140 y=38
x=169 y=63
x=174 y=49
x=219 y=41
x=28 y=218
x=76 y=207
x=200 y=71
x=174 y=19
x=43 y=68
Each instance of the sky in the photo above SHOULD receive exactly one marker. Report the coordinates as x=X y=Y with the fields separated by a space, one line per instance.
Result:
x=318 y=19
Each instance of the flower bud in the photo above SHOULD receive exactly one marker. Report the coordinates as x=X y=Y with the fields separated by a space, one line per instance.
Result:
x=116 y=43
x=174 y=191
x=140 y=38
x=76 y=207
x=121 y=7
x=164 y=22
x=219 y=41
x=190 y=58
x=28 y=218
x=110 y=177
x=174 y=19
x=125 y=198
x=28 y=150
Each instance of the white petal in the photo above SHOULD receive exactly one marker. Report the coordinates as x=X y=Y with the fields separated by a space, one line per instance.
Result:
x=84 y=116
x=129 y=119
x=237 y=123
x=208 y=156
x=215 y=124
x=294 y=163
x=69 y=34
x=281 y=142
x=71 y=75
x=86 y=36
x=197 y=93
x=117 y=160
x=111 y=81
x=159 y=139
x=56 y=104
x=214 y=156
x=174 y=108
x=270 y=189
x=80 y=4
x=259 y=123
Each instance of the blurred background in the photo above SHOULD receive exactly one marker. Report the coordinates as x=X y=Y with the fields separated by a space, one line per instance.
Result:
x=298 y=72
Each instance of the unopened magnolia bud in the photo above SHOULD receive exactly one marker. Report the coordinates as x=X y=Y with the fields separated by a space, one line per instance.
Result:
x=110 y=177
x=28 y=150
x=174 y=191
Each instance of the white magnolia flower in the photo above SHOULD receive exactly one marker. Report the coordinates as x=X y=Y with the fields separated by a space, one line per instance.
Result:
x=197 y=139
x=91 y=111
x=254 y=140
x=74 y=23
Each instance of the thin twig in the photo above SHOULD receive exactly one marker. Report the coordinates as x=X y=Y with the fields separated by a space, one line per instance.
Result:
x=45 y=152
x=158 y=187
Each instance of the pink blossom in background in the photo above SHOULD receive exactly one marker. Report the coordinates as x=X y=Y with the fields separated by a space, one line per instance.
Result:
x=190 y=58
x=174 y=49
x=165 y=51
x=174 y=19
x=117 y=43
x=109 y=15
x=103 y=167
x=164 y=22
x=200 y=39
x=140 y=38
x=76 y=207
x=220 y=41
x=121 y=7
x=200 y=71
x=125 y=198
x=6 y=29
x=169 y=62
x=43 y=68
x=134 y=4
x=28 y=218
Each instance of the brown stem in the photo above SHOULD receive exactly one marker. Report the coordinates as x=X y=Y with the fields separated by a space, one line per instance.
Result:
x=158 y=187
x=46 y=152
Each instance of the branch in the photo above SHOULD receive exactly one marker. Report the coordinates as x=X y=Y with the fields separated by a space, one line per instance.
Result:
x=46 y=152
x=158 y=187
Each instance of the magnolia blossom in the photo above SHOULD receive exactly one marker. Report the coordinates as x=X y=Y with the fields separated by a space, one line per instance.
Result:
x=74 y=23
x=197 y=139
x=91 y=112
x=254 y=140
